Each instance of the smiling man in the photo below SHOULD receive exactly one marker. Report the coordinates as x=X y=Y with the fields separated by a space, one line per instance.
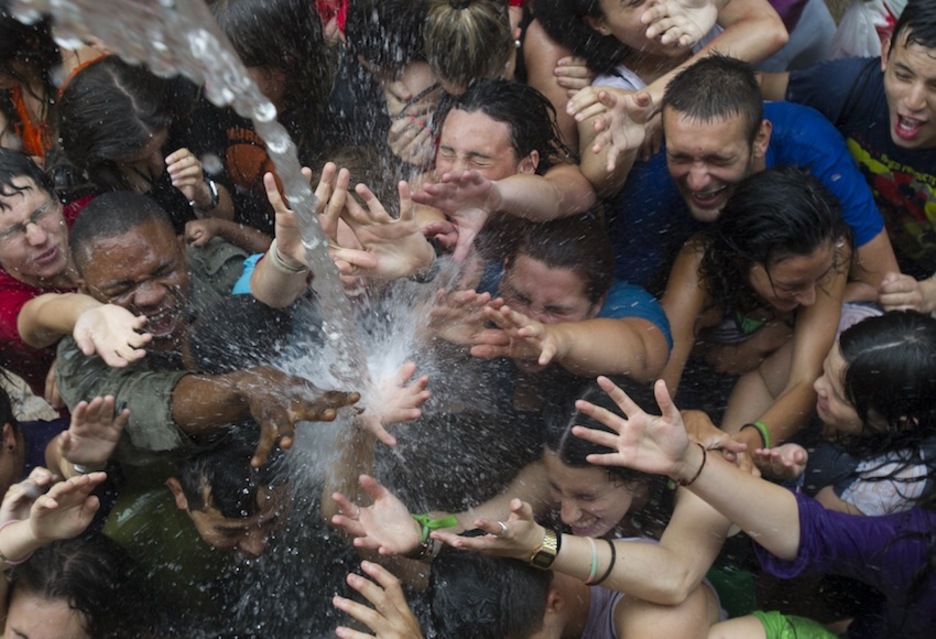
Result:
x=717 y=131
x=886 y=109
x=126 y=253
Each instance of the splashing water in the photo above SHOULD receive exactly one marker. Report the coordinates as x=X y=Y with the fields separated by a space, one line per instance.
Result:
x=181 y=37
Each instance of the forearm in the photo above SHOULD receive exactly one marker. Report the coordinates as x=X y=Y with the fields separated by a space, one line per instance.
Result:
x=355 y=456
x=225 y=208
x=201 y=404
x=243 y=236
x=791 y=412
x=275 y=285
x=752 y=32
x=594 y=166
x=766 y=511
x=605 y=346
x=17 y=541
x=563 y=191
x=44 y=320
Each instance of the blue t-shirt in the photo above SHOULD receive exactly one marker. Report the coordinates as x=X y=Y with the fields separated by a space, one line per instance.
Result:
x=850 y=93
x=650 y=222
x=623 y=300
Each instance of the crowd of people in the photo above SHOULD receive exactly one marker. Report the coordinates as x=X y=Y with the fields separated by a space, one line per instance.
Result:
x=595 y=211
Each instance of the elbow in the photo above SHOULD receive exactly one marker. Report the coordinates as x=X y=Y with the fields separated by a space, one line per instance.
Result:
x=674 y=591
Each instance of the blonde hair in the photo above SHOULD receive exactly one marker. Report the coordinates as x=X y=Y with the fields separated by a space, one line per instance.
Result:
x=467 y=40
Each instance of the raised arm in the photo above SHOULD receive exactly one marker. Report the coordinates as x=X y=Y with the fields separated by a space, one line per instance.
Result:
x=752 y=31
x=660 y=444
x=109 y=330
x=629 y=346
x=683 y=302
x=785 y=402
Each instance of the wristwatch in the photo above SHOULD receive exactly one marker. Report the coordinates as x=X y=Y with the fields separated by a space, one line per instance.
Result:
x=544 y=556
x=215 y=197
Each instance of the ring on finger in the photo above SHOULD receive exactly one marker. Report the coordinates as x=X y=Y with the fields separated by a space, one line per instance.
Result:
x=503 y=529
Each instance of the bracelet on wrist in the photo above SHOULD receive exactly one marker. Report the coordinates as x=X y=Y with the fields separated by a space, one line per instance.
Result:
x=428 y=548
x=762 y=429
x=688 y=482
x=607 y=573
x=278 y=262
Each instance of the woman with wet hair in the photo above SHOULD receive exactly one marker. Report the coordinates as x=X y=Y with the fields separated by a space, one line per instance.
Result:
x=775 y=260
x=117 y=128
x=593 y=504
x=878 y=411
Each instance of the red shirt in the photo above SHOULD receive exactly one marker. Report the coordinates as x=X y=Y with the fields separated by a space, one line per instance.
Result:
x=30 y=363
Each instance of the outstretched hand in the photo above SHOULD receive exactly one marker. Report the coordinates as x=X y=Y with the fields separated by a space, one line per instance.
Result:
x=384 y=247
x=521 y=337
x=622 y=125
x=787 y=461
x=468 y=198
x=67 y=509
x=390 y=617
x=459 y=317
x=287 y=232
x=681 y=23
x=278 y=401
x=648 y=443
x=93 y=432
x=113 y=332
x=517 y=537
x=385 y=526
x=398 y=400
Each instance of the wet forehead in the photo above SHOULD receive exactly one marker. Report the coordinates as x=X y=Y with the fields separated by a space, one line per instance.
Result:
x=21 y=200
x=916 y=57
x=476 y=132
x=687 y=135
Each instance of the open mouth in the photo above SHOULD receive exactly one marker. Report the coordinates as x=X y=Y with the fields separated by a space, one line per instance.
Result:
x=161 y=325
x=48 y=257
x=708 y=199
x=907 y=128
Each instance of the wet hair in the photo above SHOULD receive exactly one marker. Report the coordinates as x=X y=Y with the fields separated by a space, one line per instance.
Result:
x=890 y=376
x=226 y=470
x=917 y=22
x=284 y=35
x=98 y=580
x=772 y=215
x=387 y=33
x=529 y=116
x=110 y=110
x=474 y=596
x=33 y=45
x=15 y=165
x=560 y=416
x=466 y=41
x=578 y=243
x=111 y=215
x=564 y=21
x=717 y=88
